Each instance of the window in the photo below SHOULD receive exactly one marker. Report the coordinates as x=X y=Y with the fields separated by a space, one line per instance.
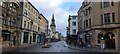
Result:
x=107 y=17
x=89 y=10
x=3 y=4
x=106 y=4
x=29 y=7
x=89 y=22
x=3 y=19
x=99 y=41
x=74 y=18
x=34 y=37
x=74 y=31
x=74 y=23
x=38 y=28
x=25 y=12
x=101 y=4
x=101 y=19
x=113 y=17
x=24 y=24
x=25 y=4
x=28 y=25
x=13 y=22
x=112 y=3
x=86 y=12
x=31 y=26
x=6 y=37
x=6 y=21
x=86 y=23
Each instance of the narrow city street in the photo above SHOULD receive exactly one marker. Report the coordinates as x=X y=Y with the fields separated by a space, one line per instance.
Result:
x=57 y=47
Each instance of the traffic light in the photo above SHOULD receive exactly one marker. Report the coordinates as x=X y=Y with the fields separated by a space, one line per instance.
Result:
x=102 y=37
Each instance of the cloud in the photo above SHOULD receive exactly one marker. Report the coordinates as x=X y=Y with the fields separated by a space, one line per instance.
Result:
x=48 y=8
x=55 y=1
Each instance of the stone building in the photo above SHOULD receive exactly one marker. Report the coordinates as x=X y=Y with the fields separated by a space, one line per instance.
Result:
x=80 y=25
x=30 y=23
x=72 y=29
x=73 y=24
x=21 y=23
x=53 y=27
x=44 y=24
x=10 y=22
x=101 y=23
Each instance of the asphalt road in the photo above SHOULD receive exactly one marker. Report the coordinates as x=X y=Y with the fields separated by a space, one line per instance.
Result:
x=56 y=48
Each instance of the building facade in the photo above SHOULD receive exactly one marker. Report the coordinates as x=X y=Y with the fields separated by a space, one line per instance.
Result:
x=73 y=25
x=80 y=25
x=72 y=29
x=100 y=27
x=44 y=24
x=21 y=23
x=33 y=24
x=29 y=23
x=10 y=22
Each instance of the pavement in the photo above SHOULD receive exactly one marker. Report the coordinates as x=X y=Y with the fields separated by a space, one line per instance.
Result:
x=91 y=49
x=11 y=48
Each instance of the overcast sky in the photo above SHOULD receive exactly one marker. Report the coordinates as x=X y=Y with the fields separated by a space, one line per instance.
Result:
x=61 y=10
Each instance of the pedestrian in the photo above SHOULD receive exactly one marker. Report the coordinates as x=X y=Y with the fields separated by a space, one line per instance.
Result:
x=44 y=41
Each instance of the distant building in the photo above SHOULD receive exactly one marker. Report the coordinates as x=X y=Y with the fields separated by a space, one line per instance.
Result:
x=73 y=24
x=72 y=29
x=53 y=27
x=54 y=34
x=44 y=24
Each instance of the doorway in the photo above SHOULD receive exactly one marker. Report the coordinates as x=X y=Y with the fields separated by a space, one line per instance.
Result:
x=30 y=39
x=25 y=38
x=110 y=40
x=14 y=40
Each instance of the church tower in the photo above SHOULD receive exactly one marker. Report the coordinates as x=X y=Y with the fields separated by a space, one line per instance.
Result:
x=53 y=26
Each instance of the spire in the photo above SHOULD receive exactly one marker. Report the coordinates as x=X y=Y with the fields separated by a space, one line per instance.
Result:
x=53 y=21
x=53 y=18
